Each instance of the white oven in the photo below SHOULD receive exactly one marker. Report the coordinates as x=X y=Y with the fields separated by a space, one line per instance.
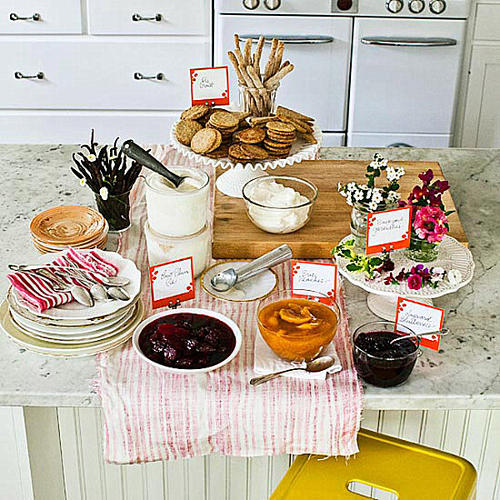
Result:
x=373 y=72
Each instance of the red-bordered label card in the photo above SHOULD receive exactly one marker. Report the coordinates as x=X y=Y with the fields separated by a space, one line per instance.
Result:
x=388 y=230
x=171 y=282
x=210 y=85
x=317 y=278
x=420 y=318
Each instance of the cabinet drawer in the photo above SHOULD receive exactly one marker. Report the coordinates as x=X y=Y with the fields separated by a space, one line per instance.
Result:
x=110 y=17
x=44 y=17
x=487 y=22
x=95 y=74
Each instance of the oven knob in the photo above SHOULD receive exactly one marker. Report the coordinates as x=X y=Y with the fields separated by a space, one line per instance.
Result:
x=272 y=4
x=250 y=4
x=416 y=6
x=437 y=6
x=394 y=6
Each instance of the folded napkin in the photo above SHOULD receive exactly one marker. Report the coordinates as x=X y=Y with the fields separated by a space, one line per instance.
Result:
x=266 y=361
x=37 y=292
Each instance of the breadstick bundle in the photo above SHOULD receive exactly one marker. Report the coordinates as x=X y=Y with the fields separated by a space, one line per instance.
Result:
x=258 y=86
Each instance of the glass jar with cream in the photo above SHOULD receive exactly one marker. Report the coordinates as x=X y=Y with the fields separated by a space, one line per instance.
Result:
x=178 y=212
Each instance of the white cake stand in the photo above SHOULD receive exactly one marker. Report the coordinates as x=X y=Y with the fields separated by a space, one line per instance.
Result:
x=238 y=174
x=382 y=298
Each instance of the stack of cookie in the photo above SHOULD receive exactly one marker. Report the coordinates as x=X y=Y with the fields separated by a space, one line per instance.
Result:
x=279 y=138
x=247 y=146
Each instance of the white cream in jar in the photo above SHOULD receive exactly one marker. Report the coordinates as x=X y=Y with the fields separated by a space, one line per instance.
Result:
x=163 y=249
x=178 y=212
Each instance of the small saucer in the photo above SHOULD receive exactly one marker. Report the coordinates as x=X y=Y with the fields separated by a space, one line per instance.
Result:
x=255 y=288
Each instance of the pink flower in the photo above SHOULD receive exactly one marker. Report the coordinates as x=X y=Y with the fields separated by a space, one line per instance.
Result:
x=430 y=224
x=414 y=282
x=426 y=177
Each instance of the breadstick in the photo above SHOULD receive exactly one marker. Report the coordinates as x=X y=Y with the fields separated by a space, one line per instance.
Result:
x=278 y=58
x=270 y=61
x=262 y=90
x=286 y=63
x=251 y=88
x=258 y=54
x=237 y=50
x=262 y=119
x=247 y=52
x=234 y=62
x=273 y=81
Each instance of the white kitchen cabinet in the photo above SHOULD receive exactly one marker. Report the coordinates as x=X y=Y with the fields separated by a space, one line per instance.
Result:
x=482 y=111
x=99 y=73
x=133 y=17
x=44 y=17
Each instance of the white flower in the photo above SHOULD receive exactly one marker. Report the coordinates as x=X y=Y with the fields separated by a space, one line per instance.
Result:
x=351 y=186
x=390 y=173
x=392 y=196
x=438 y=270
x=382 y=162
x=454 y=276
x=373 y=205
x=358 y=195
x=377 y=196
x=91 y=158
x=83 y=182
x=363 y=186
x=369 y=193
x=103 y=193
x=349 y=199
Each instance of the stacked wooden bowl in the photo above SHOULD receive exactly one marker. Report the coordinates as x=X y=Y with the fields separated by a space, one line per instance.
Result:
x=68 y=226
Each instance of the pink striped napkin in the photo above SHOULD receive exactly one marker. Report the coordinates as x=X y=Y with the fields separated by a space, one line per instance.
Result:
x=151 y=415
x=37 y=291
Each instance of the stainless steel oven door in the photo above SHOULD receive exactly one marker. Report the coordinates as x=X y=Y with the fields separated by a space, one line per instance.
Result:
x=404 y=77
x=319 y=48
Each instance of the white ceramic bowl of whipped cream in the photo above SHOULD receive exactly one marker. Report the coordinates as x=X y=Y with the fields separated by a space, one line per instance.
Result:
x=279 y=204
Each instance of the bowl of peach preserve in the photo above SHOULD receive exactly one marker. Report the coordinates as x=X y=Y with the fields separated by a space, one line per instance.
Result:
x=378 y=360
x=296 y=325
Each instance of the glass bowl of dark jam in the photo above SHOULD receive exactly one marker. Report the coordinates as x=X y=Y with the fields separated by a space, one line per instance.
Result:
x=187 y=340
x=379 y=362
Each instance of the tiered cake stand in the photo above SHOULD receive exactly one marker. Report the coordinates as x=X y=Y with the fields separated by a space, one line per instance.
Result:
x=382 y=298
x=238 y=174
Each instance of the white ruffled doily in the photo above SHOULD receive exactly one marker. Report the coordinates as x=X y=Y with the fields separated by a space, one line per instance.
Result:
x=300 y=151
x=452 y=255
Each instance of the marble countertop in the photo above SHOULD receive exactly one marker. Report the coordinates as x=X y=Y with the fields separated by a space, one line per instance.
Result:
x=464 y=374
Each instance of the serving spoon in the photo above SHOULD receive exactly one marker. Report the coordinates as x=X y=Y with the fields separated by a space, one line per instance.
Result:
x=141 y=156
x=316 y=365
x=441 y=332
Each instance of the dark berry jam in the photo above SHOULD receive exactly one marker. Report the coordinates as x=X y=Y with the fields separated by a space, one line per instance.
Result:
x=381 y=363
x=187 y=341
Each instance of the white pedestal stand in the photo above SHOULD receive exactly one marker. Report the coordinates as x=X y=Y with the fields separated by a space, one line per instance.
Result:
x=384 y=306
x=231 y=182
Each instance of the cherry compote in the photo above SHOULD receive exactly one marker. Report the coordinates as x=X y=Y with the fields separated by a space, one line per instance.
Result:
x=381 y=363
x=187 y=341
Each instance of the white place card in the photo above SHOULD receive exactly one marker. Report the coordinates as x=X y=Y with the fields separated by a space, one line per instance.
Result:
x=210 y=85
x=420 y=318
x=388 y=230
x=318 y=278
x=171 y=282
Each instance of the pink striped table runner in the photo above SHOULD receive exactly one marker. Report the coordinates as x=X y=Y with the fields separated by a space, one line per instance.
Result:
x=150 y=415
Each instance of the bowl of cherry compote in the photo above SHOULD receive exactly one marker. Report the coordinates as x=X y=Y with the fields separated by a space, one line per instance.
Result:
x=189 y=340
x=380 y=362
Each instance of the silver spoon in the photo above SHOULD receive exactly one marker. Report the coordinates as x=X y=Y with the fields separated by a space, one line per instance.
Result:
x=79 y=293
x=316 y=365
x=442 y=332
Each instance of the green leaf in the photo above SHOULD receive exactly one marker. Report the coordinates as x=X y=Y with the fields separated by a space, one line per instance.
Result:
x=349 y=243
x=346 y=253
x=353 y=267
x=375 y=261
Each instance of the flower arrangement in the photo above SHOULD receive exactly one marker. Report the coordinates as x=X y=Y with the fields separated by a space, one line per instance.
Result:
x=369 y=194
x=109 y=176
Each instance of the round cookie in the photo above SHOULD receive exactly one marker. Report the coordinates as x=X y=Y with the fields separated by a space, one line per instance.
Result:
x=256 y=152
x=236 y=151
x=195 y=112
x=206 y=140
x=185 y=130
x=223 y=120
x=280 y=127
x=252 y=135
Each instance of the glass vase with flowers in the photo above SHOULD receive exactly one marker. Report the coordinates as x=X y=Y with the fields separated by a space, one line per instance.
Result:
x=367 y=198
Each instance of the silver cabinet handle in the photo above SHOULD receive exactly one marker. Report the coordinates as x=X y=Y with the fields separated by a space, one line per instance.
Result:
x=292 y=39
x=140 y=76
x=14 y=17
x=138 y=17
x=19 y=76
x=392 y=41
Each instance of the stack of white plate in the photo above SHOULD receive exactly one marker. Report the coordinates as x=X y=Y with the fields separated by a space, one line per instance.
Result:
x=72 y=329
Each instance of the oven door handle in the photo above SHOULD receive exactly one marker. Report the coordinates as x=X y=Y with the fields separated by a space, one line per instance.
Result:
x=292 y=39
x=394 y=41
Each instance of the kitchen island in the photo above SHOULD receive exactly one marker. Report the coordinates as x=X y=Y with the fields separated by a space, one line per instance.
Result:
x=451 y=400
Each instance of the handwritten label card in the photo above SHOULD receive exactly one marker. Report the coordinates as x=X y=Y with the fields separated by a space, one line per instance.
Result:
x=210 y=85
x=171 y=282
x=320 y=279
x=388 y=230
x=420 y=318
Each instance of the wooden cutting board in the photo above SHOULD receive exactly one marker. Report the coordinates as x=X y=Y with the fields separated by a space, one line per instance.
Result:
x=236 y=237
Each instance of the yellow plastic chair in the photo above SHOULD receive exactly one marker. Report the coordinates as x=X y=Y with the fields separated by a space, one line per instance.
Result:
x=409 y=471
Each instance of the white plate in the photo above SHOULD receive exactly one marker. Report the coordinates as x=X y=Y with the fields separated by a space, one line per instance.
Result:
x=75 y=311
x=193 y=310
x=255 y=288
x=83 y=349
x=94 y=336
